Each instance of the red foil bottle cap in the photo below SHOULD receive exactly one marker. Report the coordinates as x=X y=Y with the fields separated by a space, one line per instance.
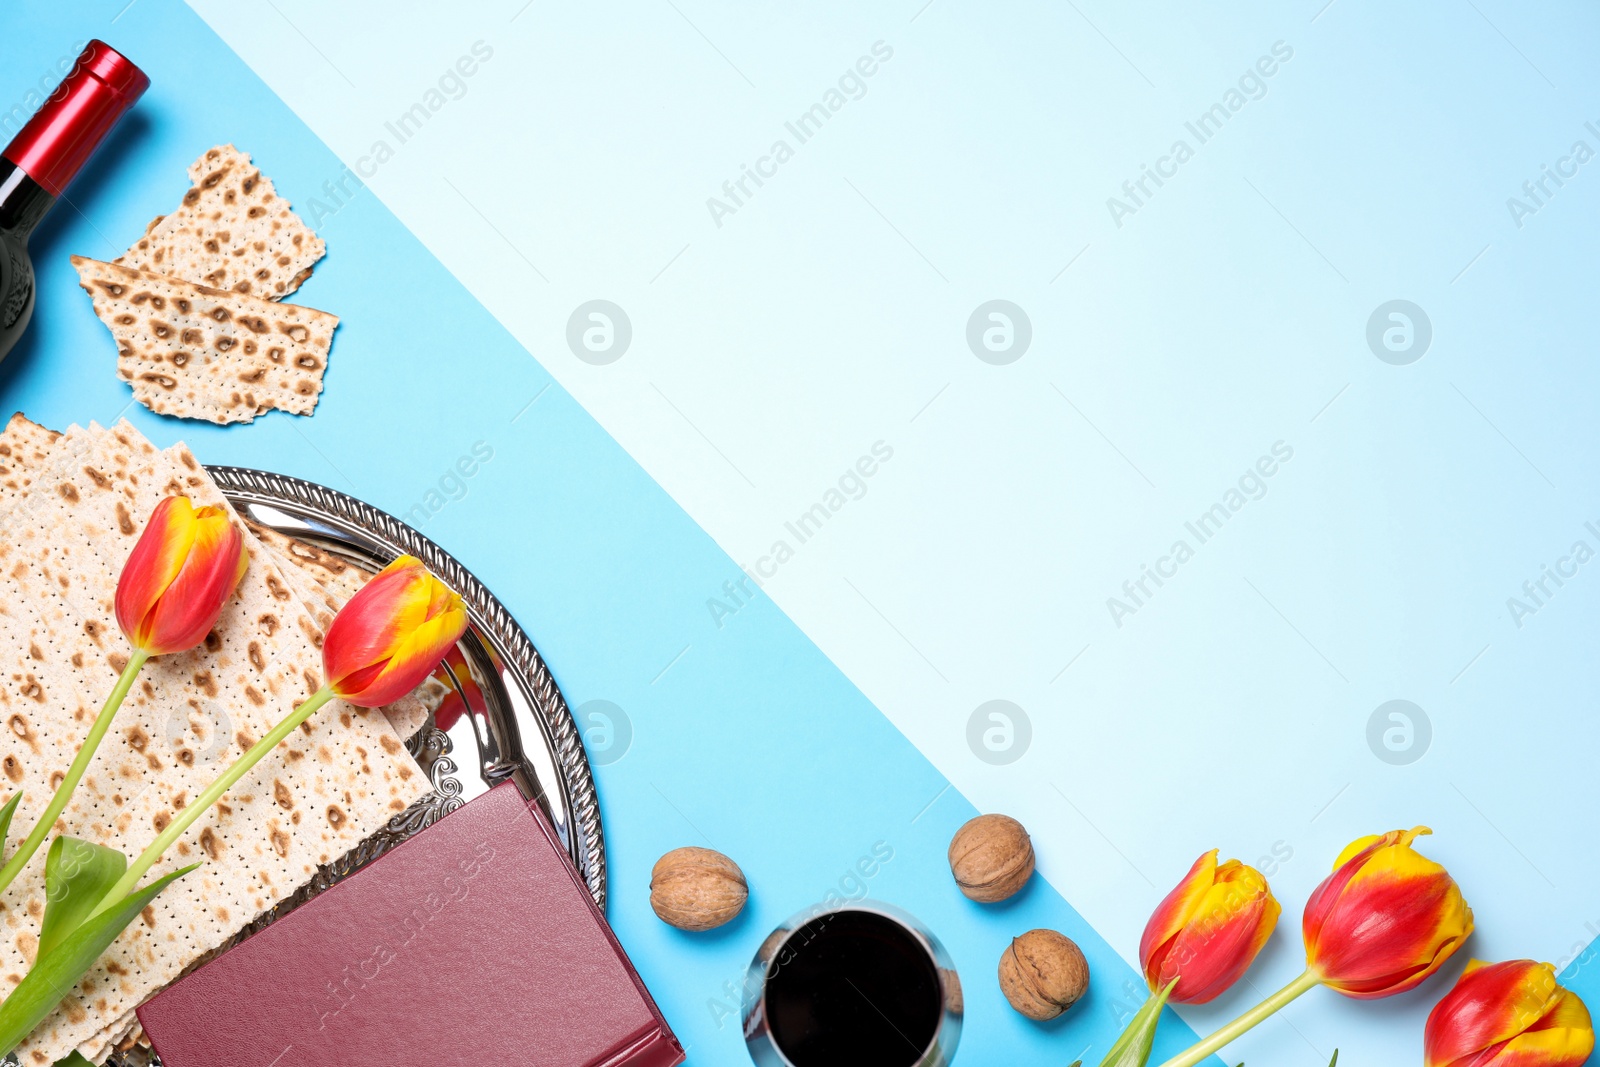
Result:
x=59 y=139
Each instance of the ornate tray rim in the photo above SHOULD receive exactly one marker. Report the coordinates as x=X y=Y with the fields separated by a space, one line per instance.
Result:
x=489 y=616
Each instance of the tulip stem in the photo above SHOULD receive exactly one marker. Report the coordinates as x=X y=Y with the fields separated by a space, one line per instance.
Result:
x=1260 y=1012
x=80 y=764
x=213 y=792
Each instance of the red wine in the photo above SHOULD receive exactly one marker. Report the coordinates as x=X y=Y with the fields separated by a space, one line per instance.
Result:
x=49 y=151
x=856 y=989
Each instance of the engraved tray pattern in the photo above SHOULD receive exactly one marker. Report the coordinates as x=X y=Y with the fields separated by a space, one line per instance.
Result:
x=517 y=726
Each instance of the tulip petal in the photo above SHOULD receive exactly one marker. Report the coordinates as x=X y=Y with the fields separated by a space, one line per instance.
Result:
x=1490 y=1004
x=155 y=561
x=189 y=607
x=1361 y=844
x=366 y=630
x=1208 y=930
x=1171 y=914
x=416 y=658
x=1563 y=1037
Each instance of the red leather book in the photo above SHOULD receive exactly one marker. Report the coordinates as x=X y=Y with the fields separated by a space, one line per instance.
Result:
x=473 y=943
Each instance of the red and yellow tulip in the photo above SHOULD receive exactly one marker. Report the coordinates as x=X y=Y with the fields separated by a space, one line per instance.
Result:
x=1208 y=930
x=1385 y=919
x=391 y=635
x=184 y=567
x=1511 y=1014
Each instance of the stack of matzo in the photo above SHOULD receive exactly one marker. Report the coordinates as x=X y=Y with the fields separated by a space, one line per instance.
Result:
x=71 y=507
x=192 y=305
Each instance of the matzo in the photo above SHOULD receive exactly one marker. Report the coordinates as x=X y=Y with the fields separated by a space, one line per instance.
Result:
x=232 y=231
x=331 y=785
x=201 y=353
x=25 y=446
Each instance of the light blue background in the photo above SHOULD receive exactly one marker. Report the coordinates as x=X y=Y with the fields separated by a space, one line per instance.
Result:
x=1168 y=354
x=752 y=743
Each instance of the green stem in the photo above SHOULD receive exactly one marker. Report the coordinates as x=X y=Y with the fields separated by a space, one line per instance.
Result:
x=1196 y=1053
x=213 y=792
x=80 y=764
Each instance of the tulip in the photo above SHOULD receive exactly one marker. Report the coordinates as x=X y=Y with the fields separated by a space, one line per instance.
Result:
x=1510 y=1014
x=181 y=572
x=1201 y=939
x=381 y=645
x=1380 y=924
x=1208 y=930
x=1385 y=919
x=183 y=569
x=391 y=635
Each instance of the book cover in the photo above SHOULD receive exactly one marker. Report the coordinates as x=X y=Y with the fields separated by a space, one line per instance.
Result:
x=473 y=942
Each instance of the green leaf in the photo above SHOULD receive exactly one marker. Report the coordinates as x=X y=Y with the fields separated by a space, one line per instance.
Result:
x=1132 y=1049
x=55 y=973
x=77 y=876
x=1335 y=1061
x=74 y=1059
x=5 y=818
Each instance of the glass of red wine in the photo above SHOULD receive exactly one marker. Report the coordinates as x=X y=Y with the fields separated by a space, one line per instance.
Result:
x=861 y=984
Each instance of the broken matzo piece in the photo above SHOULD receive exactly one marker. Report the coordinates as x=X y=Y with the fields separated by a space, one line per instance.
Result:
x=201 y=353
x=232 y=231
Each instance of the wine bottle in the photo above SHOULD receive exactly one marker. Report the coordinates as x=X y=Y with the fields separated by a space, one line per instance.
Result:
x=45 y=156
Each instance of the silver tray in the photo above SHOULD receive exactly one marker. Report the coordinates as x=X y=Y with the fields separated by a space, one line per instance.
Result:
x=516 y=726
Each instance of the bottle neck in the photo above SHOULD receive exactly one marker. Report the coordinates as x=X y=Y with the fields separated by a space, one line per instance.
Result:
x=23 y=201
x=64 y=132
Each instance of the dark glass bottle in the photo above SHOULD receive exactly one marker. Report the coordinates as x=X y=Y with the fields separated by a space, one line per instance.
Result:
x=48 y=152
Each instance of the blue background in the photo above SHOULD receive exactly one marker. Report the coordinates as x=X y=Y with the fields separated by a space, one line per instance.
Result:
x=750 y=741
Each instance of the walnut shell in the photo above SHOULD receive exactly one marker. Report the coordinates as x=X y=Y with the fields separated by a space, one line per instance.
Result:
x=697 y=888
x=1043 y=974
x=991 y=858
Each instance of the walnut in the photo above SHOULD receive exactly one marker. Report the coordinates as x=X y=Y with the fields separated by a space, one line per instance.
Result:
x=1043 y=974
x=697 y=888
x=991 y=858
